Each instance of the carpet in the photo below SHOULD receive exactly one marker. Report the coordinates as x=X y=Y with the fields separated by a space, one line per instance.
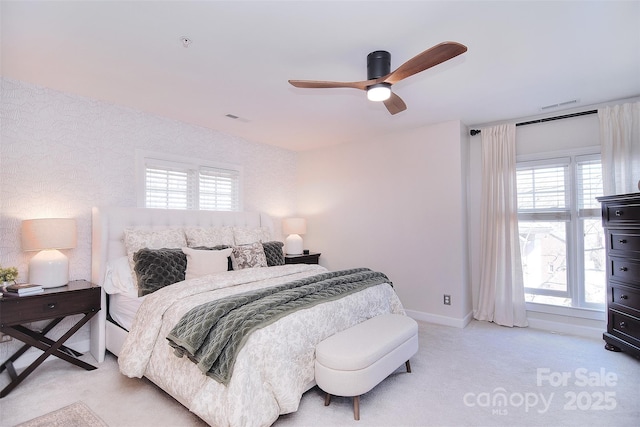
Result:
x=75 y=415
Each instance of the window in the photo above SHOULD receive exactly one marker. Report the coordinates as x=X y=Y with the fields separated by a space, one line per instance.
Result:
x=561 y=236
x=183 y=183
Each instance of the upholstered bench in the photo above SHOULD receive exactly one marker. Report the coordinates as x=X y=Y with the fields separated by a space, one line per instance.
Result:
x=352 y=362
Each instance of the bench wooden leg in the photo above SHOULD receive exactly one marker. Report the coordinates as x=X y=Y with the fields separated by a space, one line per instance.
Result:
x=327 y=399
x=408 y=365
x=356 y=408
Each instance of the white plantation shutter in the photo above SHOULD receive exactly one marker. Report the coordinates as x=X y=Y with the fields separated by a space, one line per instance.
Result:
x=543 y=190
x=219 y=189
x=189 y=185
x=589 y=183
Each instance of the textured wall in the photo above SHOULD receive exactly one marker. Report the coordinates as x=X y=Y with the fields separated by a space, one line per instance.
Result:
x=62 y=154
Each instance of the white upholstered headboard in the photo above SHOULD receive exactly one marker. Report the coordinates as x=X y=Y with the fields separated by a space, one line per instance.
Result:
x=107 y=243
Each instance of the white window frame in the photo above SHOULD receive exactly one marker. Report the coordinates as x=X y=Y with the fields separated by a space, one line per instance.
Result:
x=144 y=157
x=575 y=272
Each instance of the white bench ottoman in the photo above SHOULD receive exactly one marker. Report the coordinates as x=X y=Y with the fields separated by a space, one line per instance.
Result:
x=352 y=362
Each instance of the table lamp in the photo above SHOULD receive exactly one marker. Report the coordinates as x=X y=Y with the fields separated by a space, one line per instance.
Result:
x=49 y=267
x=293 y=228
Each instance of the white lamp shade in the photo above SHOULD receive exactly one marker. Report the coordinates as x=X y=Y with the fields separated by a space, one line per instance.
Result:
x=48 y=233
x=50 y=267
x=294 y=226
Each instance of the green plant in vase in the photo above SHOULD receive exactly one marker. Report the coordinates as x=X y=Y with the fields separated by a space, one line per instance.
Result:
x=8 y=275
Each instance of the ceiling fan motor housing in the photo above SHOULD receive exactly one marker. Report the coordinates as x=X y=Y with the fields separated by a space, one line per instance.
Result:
x=378 y=64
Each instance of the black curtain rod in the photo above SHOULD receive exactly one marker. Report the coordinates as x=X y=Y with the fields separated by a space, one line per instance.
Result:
x=473 y=132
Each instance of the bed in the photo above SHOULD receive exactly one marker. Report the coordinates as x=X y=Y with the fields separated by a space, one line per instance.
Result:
x=274 y=365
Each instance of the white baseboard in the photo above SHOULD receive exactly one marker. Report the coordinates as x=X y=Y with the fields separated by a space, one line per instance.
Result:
x=439 y=320
x=567 y=328
x=587 y=328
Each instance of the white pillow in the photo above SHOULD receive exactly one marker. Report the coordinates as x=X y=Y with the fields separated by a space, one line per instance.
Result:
x=209 y=236
x=203 y=262
x=118 y=278
x=247 y=236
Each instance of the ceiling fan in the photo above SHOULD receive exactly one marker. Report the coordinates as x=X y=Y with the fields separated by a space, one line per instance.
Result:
x=380 y=79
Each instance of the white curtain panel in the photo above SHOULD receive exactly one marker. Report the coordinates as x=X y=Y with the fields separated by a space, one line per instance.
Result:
x=620 y=141
x=501 y=289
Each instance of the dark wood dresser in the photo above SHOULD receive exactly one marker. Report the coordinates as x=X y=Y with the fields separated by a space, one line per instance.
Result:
x=621 y=221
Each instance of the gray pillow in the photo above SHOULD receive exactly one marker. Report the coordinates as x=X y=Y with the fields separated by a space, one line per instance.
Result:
x=273 y=252
x=157 y=268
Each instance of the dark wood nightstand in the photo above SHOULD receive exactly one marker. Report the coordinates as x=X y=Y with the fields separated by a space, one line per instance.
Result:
x=77 y=297
x=310 y=258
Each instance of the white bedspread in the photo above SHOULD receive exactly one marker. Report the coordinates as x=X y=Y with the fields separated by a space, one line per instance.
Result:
x=275 y=366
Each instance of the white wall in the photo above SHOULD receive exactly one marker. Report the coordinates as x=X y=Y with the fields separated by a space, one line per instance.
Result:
x=61 y=154
x=397 y=204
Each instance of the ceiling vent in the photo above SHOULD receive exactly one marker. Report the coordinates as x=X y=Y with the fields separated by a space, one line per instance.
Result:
x=559 y=105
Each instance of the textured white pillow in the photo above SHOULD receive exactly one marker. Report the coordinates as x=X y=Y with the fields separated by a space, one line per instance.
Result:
x=203 y=262
x=209 y=236
x=140 y=238
x=247 y=236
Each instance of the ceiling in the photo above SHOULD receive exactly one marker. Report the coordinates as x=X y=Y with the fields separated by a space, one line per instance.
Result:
x=521 y=56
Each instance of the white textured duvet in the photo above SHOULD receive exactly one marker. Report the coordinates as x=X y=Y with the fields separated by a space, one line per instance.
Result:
x=275 y=366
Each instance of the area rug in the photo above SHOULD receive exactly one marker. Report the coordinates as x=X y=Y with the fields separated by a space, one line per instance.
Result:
x=75 y=415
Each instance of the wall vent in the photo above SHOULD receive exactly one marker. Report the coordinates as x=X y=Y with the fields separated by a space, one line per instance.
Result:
x=559 y=105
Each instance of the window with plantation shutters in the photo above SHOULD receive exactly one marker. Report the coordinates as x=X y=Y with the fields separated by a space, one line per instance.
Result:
x=561 y=238
x=219 y=189
x=186 y=183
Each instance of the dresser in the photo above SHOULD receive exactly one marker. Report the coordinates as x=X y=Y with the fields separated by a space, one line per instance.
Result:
x=621 y=221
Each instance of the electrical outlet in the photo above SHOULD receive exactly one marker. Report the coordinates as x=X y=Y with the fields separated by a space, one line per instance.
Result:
x=447 y=299
x=4 y=337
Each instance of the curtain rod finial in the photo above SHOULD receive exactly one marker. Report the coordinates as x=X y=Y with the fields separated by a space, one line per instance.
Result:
x=474 y=132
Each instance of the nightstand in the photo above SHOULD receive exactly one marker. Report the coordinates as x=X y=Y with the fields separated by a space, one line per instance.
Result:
x=310 y=258
x=77 y=297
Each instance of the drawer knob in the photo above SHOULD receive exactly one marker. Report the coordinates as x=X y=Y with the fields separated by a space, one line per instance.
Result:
x=623 y=296
x=51 y=305
x=618 y=212
x=623 y=325
x=623 y=241
x=623 y=269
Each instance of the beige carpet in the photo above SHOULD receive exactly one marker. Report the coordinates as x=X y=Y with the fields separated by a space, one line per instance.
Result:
x=75 y=415
x=457 y=379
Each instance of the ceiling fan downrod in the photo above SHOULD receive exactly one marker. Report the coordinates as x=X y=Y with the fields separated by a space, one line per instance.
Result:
x=378 y=64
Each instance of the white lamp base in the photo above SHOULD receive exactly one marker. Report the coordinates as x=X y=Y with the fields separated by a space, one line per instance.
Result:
x=49 y=269
x=293 y=244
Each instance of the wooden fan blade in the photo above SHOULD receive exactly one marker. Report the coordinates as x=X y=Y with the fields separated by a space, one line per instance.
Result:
x=431 y=57
x=395 y=104
x=313 y=84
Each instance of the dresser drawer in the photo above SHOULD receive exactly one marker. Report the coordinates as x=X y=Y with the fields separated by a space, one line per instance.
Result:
x=624 y=270
x=624 y=326
x=18 y=310
x=626 y=297
x=624 y=241
x=623 y=213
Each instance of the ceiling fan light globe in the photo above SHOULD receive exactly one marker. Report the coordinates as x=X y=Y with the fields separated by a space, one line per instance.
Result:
x=379 y=92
